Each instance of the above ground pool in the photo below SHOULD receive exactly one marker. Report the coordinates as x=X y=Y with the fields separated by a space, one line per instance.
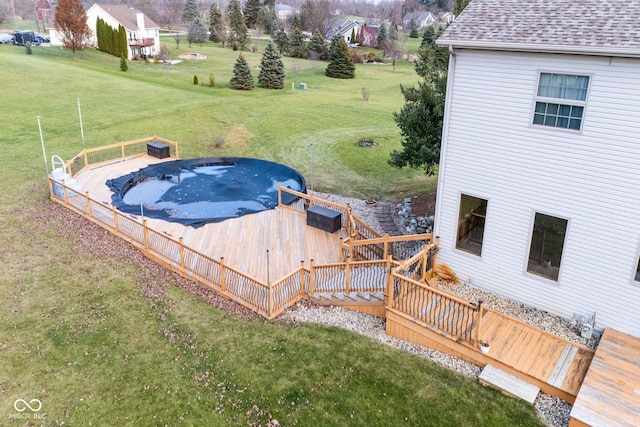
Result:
x=198 y=191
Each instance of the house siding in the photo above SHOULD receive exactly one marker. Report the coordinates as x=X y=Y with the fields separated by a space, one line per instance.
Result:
x=591 y=178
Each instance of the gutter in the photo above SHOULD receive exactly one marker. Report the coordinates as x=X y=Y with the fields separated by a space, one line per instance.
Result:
x=543 y=48
x=444 y=139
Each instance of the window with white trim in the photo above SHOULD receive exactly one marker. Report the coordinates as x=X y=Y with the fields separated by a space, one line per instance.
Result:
x=547 y=245
x=561 y=100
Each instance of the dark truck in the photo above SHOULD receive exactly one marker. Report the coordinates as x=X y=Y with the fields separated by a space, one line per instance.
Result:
x=22 y=38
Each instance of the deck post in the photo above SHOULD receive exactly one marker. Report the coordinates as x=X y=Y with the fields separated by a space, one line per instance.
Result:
x=479 y=311
x=115 y=219
x=88 y=204
x=122 y=148
x=279 y=194
x=312 y=279
x=303 y=285
x=435 y=256
x=86 y=159
x=389 y=284
x=385 y=246
x=347 y=276
x=64 y=192
x=223 y=286
x=146 y=234
x=270 y=307
x=181 y=240
x=425 y=262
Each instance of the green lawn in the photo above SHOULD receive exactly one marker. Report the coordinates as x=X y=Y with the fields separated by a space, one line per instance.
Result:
x=79 y=330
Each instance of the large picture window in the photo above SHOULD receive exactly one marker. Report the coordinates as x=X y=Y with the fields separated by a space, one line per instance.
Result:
x=561 y=100
x=471 y=218
x=547 y=244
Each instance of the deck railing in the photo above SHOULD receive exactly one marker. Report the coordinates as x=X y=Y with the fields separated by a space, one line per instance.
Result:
x=120 y=150
x=366 y=268
x=435 y=309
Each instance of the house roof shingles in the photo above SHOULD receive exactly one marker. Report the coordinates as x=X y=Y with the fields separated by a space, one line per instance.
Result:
x=597 y=27
x=127 y=16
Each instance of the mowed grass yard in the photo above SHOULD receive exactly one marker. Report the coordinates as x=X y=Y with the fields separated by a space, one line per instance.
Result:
x=101 y=341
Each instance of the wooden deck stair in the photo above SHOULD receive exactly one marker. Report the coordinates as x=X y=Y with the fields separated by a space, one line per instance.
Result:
x=509 y=384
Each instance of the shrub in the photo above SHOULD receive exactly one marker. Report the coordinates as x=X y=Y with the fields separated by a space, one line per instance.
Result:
x=356 y=57
x=195 y=80
x=212 y=80
x=218 y=142
x=27 y=48
x=366 y=93
x=123 y=64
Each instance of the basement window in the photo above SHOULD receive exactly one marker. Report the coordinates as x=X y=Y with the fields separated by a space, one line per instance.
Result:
x=547 y=245
x=471 y=219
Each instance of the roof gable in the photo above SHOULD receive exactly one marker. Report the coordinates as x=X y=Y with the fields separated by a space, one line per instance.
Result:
x=126 y=16
x=599 y=27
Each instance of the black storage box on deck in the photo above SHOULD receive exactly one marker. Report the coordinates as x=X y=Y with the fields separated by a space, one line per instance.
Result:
x=324 y=219
x=158 y=150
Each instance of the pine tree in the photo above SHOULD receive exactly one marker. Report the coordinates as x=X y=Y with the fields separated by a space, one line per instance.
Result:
x=215 y=19
x=428 y=38
x=70 y=20
x=393 y=32
x=196 y=33
x=340 y=64
x=352 y=38
x=282 y=42
x=297 y=48
x=242 y=78
x=240 y=33
x=414 y=31
x=382 y=34
x=190 y=12
x=123 y=64
x=252 y=13
x=318 y=46
x=271 y=68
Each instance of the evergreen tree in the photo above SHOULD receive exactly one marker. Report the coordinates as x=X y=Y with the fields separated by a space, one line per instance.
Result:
x=282 y=42
x=318 y=46
x=459 y=6
x=352 y=38
x=271 y=69
x=242 y=78
x=122 y=45
x=393 y=32
x=297 y=47
x=340 y=64
x=382 y=34
x=428 y=38
x=123 y=64
x=252 y=13
x=196 y=33
x=240 y=33
x=190 y=12
x=420 y=119
x=215 y=20
x=70 y=20
x=414 y=31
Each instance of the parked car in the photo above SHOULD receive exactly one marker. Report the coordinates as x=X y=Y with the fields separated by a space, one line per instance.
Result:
x=39 y=38
x=6 y=39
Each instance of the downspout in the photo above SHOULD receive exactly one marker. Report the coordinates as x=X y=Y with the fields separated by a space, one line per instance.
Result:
x=445 y=137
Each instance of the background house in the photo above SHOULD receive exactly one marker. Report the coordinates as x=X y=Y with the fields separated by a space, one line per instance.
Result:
x=344 y=27
x=283 y=11
x=539 y=180
x=419 y=19
x=142 y=33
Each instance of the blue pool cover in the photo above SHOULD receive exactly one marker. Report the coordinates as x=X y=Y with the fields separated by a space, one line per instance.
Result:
x=197 y=191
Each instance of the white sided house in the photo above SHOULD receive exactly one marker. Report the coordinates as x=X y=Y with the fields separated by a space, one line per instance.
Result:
x=143 y=34
x=539 y=180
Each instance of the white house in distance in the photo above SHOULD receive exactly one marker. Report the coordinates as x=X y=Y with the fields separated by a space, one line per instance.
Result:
x=283 y=11
x=539 y=180
x=143 y=34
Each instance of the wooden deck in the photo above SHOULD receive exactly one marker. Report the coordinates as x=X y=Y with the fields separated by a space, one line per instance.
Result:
x=551 y=363
x=244 y=241
x=610 y=394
